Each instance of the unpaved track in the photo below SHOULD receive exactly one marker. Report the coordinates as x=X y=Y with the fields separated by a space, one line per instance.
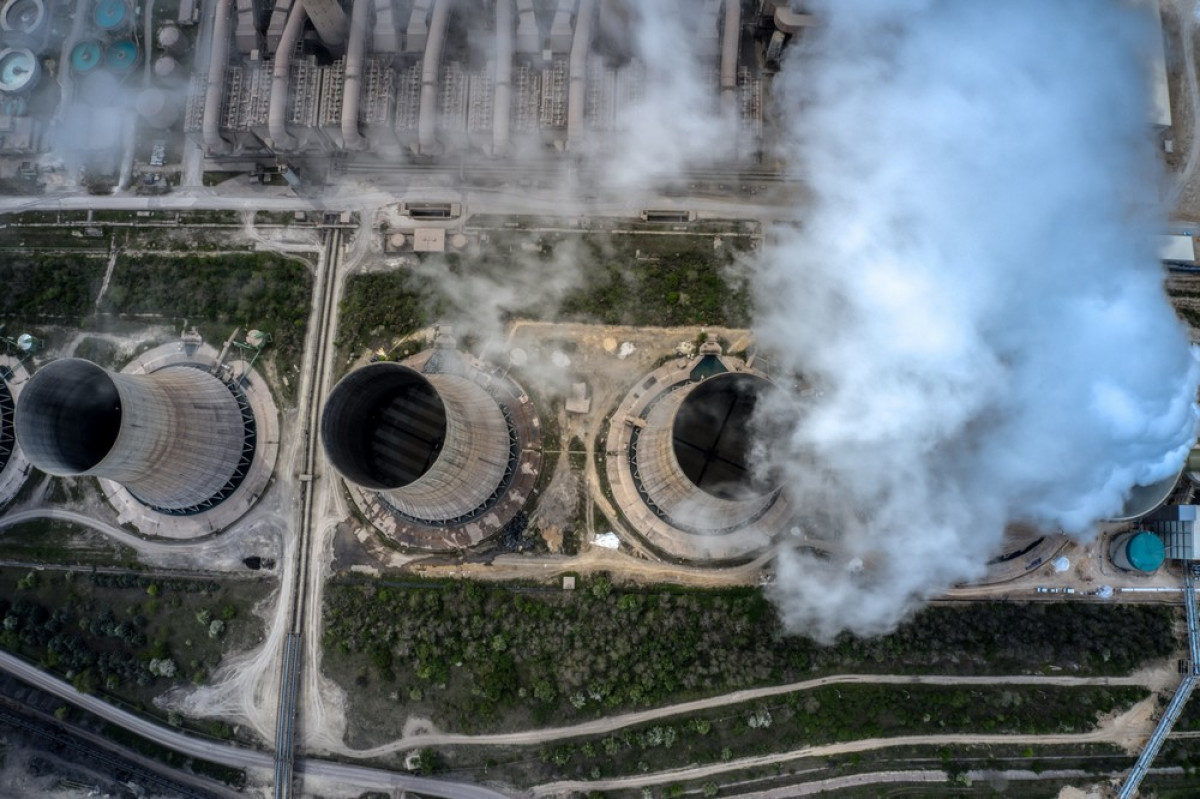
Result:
x=565 y=787
x=606 y=725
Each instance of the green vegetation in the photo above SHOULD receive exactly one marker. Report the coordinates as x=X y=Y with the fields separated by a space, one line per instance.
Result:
x=379 y=307
x=488 y=658
x=48 y=287
x=52 y=541
x=639 y=279
x=217 y=292
x=129 y=636
x=659 y=280
x=837 y=713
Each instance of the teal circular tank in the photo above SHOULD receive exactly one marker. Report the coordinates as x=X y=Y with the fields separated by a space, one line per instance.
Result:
x=1145 y=552
x=110 y=14
x=122 y=56
x=85 y=57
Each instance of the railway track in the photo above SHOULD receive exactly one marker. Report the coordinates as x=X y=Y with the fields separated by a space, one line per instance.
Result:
x=293 y=659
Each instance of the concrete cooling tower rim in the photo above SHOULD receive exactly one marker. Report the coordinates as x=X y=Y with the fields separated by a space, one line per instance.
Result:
x=211 y=520
x=14 y=466
x=369 y=482
x=665 y=499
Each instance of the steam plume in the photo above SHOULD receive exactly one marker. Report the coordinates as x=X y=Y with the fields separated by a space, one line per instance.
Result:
x=974 y=292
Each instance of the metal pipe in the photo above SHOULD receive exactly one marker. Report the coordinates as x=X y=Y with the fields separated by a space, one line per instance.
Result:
x=172 y=437
x=502 y=99
x=427 y=121
x=351 y=138
x=281 y=80
x=578 y=75
x=218 y=56
x=730 y=39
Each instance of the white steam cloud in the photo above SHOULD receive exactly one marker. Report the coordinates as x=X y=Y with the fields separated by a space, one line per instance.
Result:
x=973 y=292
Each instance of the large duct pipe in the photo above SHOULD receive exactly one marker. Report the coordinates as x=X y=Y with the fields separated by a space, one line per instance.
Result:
x=502 y=100
x=693 y=454
x=281 y=80
x=329 y=20
x=427 y=121
x=217 y=61
x=351 y=138
x=172 y=437
x=730 y=40
x=578 y=75
x=529 y=38
x=435 y=445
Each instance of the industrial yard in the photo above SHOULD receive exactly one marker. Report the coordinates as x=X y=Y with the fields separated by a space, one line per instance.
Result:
x=515 y=398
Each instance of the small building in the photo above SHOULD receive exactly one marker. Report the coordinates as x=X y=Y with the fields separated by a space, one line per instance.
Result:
x=579 y=401
x=1177 y=249
x=429 y=239
x=1176 y=526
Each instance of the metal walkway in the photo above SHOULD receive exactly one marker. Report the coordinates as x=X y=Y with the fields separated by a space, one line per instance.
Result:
x=1167 y=722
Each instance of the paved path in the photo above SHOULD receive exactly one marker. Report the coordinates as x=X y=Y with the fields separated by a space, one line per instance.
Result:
x=231 y=755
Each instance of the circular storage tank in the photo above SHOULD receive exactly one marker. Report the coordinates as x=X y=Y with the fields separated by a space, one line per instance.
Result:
x=110 y=15
x=169 y=37
x=1137 y=551
x=122 y=56
x=86 y=56
x=22 y=16
x=156 y=107
x=19 y=70
x=165 y=67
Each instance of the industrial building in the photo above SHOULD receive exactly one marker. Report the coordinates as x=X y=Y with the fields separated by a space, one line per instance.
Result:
x=440 y=452
x=179 y=439
x=436 y=76
x=679 y=460
x=1176 y=526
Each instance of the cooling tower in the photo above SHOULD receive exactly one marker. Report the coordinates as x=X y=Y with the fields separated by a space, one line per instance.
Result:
x=691 y=459
x=436 y=446
x=7 y=439
x=172 y=437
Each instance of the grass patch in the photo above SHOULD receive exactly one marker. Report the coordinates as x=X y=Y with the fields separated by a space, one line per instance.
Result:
x=127 y=636
x=477 y=657
x=833 y=714
x=50 y=286
x=380 y=307
x=259 y=290
x=58 y=542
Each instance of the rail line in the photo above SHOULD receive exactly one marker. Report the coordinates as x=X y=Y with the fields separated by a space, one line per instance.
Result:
x=289 y=682
x=1175 y=708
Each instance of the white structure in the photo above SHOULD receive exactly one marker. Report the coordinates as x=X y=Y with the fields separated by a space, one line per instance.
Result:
x=1177 y=249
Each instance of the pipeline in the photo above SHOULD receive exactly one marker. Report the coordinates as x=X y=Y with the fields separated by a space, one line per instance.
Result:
x=502 y=99
x=281 y=79
x=351 y=138
x=218 y=56
x=427 y=121
x=529 y=39
x=729 y=54
x=579 y=53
